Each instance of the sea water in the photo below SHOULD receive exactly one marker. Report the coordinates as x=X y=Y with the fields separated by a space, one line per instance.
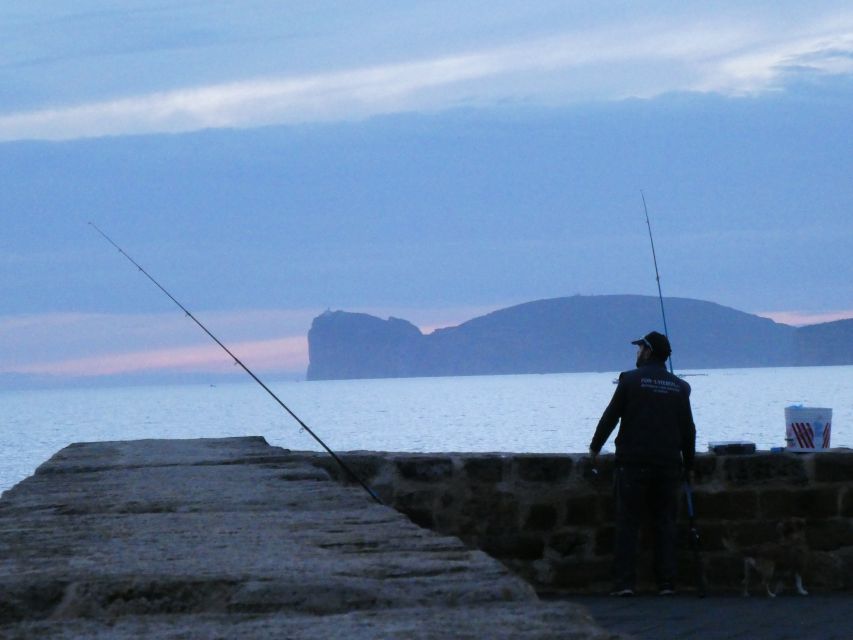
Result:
x=554 y=413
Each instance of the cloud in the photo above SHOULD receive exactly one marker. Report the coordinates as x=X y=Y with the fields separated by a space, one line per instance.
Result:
x=764 y=66
x=283 y=354
x=85 y=344
x=93 y=344
x=803 y=318
x=642 y=60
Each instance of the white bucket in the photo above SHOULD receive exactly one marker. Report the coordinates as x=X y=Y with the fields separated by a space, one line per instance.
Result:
x=807 y=428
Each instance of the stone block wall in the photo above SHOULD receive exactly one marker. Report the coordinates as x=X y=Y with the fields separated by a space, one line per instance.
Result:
x=550 y=518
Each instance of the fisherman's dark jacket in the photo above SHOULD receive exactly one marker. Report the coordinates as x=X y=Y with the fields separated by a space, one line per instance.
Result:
x=656 y=427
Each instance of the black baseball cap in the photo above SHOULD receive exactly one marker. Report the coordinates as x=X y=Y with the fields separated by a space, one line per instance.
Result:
x=657 y=342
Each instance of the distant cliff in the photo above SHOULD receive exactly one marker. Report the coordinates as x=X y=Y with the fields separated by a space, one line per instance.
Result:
x=827 y=343
x=355 y=345
x=580 y=333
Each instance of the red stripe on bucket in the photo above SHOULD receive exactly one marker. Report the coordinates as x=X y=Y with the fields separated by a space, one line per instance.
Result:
x=797 y=428
x=826 y=436
x=804 y=433
x=809 y=435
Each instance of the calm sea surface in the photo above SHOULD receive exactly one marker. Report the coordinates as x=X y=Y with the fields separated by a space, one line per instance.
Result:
x=528 y=413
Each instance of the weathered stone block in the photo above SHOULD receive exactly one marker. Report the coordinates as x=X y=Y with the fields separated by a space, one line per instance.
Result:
x=829 y=534
x=514 y=545
x=447 y=500
x=833 y=466
x=494 y=511
x=425 y=469
x=607 y=506
x=582 y=510
x=725 y=505
x=569 y=542
x=764 y=468
x=751 y=533
x=418 y=506
x=586 y=575
x=365 y=466
x=704 y=468
x=422 y=499
x=447 y=522
x=541 y=517
x=484 y=469
x=421 y=517
x=385 y=491
x=524 y=569
x=802 y=503
x=543 y=468
x=847 y=503
x=605 y=538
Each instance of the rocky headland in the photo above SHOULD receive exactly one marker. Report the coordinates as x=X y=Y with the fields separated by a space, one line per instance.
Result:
x=578 y=333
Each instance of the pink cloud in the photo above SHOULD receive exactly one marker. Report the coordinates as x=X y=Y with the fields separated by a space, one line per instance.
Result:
x=280 y=354
x=802 y=318
x=88 y=345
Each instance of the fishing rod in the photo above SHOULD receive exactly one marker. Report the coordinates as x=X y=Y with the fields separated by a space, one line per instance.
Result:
x=695 y=543
x=693 y=530
x=657 y=273
x=237 y=360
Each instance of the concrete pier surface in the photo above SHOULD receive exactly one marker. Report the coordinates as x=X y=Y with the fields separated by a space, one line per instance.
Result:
x=232 y=538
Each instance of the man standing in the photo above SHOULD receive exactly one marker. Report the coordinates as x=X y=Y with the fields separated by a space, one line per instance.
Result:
x=655 y=445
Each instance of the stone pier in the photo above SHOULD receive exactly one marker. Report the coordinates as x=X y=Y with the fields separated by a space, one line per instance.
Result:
x=550 y=518
x=233 y=538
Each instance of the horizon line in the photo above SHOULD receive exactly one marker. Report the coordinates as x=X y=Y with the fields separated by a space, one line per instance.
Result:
x=282 y=355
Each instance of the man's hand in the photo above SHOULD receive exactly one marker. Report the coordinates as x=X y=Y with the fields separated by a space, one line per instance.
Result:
x=593 y=458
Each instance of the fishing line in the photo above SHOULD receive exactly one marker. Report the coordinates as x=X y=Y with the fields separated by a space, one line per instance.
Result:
x=657 y=274
x=237 y=361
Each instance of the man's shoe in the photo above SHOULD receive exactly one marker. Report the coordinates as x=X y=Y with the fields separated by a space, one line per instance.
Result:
x=666 y=590
x=622 y=593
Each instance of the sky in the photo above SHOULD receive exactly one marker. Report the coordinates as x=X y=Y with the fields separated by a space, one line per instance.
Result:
x=433 y=161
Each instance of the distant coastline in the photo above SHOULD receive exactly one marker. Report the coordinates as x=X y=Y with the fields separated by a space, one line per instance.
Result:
x=570 y=334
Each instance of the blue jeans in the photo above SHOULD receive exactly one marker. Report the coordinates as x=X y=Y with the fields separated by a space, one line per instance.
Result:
x=638 y=489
